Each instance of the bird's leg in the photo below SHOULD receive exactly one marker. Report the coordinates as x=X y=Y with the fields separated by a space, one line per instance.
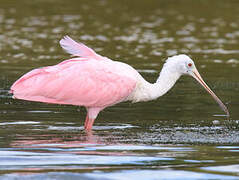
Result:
x=90 y=117
x=88 y=123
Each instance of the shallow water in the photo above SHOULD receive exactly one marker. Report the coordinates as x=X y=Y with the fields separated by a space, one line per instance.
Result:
x=182 y=135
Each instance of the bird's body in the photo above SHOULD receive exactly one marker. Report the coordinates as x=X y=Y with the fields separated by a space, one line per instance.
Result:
x=93 y=81
x=81 y=81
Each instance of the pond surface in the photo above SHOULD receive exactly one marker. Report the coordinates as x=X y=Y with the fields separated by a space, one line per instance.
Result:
x=182 y=135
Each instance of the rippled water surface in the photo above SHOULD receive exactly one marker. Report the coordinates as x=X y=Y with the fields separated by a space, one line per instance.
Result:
x=182 y=135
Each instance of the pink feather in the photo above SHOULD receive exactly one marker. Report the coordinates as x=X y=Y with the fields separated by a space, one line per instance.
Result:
x=88 y=83
x=77 y=49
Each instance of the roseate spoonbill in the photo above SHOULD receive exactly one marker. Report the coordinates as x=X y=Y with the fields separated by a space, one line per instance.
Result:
x=97 y=82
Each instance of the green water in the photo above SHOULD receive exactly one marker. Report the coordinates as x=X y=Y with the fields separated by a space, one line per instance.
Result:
x=182 y=135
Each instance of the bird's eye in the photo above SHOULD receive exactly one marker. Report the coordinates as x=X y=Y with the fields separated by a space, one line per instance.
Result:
x=190 y=64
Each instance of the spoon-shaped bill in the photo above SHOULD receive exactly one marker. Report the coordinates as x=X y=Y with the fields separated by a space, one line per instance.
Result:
x=198 y=77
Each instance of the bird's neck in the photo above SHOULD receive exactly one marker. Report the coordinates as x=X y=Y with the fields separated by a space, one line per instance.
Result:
x=149 y=91
x=165 y=81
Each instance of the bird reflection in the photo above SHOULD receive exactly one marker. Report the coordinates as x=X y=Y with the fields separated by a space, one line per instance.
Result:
x=64 y=140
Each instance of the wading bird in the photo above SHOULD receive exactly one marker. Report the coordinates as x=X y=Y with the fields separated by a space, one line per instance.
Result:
x=96 y=82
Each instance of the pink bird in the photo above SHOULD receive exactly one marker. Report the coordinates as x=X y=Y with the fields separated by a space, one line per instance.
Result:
x=96 y=82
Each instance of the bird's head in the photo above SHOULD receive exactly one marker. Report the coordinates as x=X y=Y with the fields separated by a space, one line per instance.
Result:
x=184 y=65
x=181 y=64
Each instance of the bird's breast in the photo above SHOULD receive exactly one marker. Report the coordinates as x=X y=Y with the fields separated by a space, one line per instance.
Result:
x=141 y=92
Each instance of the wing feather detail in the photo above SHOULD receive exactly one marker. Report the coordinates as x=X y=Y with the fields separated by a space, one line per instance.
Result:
x=90 y=83
x=77 y=49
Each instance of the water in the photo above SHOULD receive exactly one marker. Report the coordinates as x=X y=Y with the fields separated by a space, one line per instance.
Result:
x=182 y=135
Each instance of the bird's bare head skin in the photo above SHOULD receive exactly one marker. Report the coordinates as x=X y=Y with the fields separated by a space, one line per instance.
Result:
x=186 y=66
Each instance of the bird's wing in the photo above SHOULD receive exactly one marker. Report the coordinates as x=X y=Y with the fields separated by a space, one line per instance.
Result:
x=87 y=83
x=77 y=49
